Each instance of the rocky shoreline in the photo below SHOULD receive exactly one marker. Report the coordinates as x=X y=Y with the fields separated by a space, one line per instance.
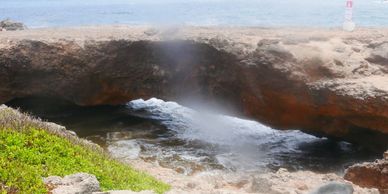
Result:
x=322 y=81
x=280 y=182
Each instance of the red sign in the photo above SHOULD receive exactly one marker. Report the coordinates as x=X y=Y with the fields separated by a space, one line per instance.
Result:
x=349 y=4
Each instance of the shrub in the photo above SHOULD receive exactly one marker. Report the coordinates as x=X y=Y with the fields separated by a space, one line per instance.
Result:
x=29 y=151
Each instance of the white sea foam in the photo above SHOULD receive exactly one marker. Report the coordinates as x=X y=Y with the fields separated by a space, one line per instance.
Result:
x=191 y=124
x=189 y=141
x=243 y=143
x=124 y=149
x=212 y=128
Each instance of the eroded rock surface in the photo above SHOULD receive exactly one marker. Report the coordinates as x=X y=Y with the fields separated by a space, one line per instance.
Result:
x=370 y=174
x=10 y=25
x=334 y=188
x=214 y=182
x=73 y=184
x=324 y=82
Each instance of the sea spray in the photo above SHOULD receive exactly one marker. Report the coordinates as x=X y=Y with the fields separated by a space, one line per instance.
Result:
x=238 y=143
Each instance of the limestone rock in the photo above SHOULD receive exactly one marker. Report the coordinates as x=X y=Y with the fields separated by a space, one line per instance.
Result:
x=53 y=180
x=370 y=174
x=260 y=185
x=151 y=32
x=73 y=184
x=288 y=79
x=334 y=188
x=379 y=55
x=10 y=25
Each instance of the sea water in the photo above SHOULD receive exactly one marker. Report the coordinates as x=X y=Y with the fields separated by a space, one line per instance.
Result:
x=268 y=13
x=190 y=140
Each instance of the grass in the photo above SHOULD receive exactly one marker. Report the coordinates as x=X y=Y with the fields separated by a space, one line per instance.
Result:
x=31 y=149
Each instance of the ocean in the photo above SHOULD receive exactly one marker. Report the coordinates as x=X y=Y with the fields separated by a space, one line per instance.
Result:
x=264 y=13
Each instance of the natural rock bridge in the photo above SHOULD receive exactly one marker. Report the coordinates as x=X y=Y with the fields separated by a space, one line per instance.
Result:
x=323 y=82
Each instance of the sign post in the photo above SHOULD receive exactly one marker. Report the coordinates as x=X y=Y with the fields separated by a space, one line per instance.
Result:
x=349 y=25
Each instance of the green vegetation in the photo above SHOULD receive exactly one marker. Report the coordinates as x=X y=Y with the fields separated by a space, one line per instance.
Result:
x=30 y=150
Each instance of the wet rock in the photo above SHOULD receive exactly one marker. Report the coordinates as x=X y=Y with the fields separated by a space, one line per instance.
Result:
x=10 y=25
x=334 y=188
x=73 y=184
x=370 y=174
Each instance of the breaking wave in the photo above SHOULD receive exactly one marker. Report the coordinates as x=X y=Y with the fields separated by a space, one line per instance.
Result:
x=211 y=128
x=235 y=143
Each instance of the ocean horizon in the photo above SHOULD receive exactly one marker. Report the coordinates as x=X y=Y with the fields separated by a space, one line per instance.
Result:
x=266 y=13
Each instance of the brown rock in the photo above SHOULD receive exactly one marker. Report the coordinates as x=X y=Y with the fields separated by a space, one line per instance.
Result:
x=301 y=186
x=245 y=71
x=370 y=175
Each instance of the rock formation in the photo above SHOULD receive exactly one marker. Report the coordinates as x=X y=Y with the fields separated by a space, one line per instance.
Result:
x=324 y=82
x=10 y=25
x=370 y=174
x=279 y=182
x=334 y=188
x=73 y=184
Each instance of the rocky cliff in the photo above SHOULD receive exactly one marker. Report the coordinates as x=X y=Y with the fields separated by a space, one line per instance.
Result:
x=322 y=81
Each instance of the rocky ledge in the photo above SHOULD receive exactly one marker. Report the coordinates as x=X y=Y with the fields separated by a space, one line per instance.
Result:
x=370 y=174
x=322 y=81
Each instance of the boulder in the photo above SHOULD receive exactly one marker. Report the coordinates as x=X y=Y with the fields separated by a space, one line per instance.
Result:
x=334 y=188
x=10 y=25
x=370 y=174
x=73 y=184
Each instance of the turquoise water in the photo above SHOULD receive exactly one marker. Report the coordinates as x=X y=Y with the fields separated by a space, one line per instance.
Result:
x=52 y=13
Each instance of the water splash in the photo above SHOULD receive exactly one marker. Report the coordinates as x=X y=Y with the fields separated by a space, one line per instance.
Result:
x=217 y=129
x=239 y=143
